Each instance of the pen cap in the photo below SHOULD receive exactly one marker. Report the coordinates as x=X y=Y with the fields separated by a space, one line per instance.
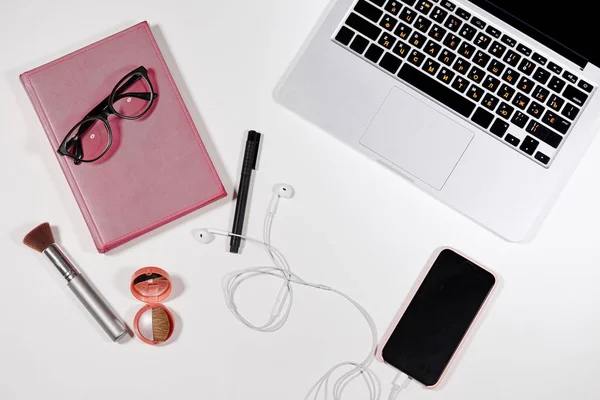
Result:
x=154 y=323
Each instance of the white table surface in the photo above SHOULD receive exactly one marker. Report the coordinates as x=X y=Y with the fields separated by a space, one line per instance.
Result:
x=353 y=225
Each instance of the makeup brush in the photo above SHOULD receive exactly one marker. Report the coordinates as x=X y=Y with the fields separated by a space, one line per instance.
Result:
x=41 y=240
x=161 y=325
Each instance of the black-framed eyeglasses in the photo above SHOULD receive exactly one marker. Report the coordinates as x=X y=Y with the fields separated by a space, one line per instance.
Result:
x=91 y=138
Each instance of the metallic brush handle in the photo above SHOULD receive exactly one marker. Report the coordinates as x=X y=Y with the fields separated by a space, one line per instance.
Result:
x=114 y=327
x=87 y=294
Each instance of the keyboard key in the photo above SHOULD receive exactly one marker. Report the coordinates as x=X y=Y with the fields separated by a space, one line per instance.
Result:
x=538 y=58
x=447 y=57
x=417 y=39
x=403 y=31
x=497 y=49
x=466 y=50
x=521 y=101
x=535 y=109
x=504 y=110
x=430 y=66
x=499 y=127
x=359 y=44
x=393 y=7
x=512 y=58
x=437 y=90
x=557 y=84
x=416 y=57
x=511 y=76
x=452 y=23
x=478 y=23
x=363 y=26
x=452 y=41
x=541 y=157
x=468 y=31
x=387 y=40
x=409 y=2
x=519 y=119
x=575 y=95
x=541 y=75
x=555 y=102
x=401 y=49
x=378 y=2
x=521 y=48
x=448 y=5
x=463 y=13
x=506 y=92
x=493 y=31
x=526 y=66
x=544 y=134
x=490 y=101
x=422 y=24
x=388 y=22
x=585 y=86
x=570 y=77
x=525 y=85
x=461 y=66
x=482 y=40
x=557 y=122
x=512 y=140
x=432 y=48
x=437 y=32
x=482 y=118
x=481 y=58
x=390 y=63
x=554 y=68
x=460 y=84
x=529 y=145
x=496 y=67
x=445 y=75
x=374 y=53
x=475 y=93
x=344 y=36
x=476 y=74
x=438 y=15
x=368 y=10
x=541 y=93
x=424 y=6
x=408 y=15
x=570 y=111
x=491 y=83
x=509 y=41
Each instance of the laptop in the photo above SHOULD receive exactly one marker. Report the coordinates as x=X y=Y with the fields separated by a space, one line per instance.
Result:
x=486 y=105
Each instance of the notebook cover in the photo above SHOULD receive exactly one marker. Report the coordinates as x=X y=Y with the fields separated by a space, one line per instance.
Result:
x=157 y=169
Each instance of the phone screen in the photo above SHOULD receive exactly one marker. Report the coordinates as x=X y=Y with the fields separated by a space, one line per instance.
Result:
x=438 y=317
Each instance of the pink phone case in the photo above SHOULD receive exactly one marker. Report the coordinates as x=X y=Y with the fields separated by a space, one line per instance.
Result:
x=414 y=290
x=157 y=169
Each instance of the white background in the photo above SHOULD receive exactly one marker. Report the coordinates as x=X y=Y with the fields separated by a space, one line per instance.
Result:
x=353 y=225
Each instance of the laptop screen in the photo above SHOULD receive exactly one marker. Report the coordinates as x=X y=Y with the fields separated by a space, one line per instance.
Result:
x=565 y=29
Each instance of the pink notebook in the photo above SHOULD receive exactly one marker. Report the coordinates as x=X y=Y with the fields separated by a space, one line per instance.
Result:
x=157 y=169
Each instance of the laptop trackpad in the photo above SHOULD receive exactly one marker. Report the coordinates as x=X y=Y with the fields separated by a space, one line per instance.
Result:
x=416 y=138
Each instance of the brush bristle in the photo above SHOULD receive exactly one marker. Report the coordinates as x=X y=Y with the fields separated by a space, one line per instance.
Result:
x=161 y=325
x=40 y=238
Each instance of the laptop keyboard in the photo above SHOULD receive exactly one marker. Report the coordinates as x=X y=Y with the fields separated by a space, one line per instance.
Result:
x=502 y=86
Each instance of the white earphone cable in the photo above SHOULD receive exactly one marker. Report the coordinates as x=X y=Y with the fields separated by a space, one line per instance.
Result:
x=282 y=306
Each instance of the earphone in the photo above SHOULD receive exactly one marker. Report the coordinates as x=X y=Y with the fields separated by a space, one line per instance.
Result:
x=282 y=305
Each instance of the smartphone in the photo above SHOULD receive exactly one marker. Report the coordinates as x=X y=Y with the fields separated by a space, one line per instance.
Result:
x=424 y=338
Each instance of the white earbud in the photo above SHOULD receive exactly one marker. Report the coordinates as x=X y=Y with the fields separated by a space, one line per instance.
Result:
x=206 y=236
x=281 y=190
x=203 y=236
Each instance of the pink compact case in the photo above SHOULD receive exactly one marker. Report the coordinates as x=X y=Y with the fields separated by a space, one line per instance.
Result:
x=153 y=323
